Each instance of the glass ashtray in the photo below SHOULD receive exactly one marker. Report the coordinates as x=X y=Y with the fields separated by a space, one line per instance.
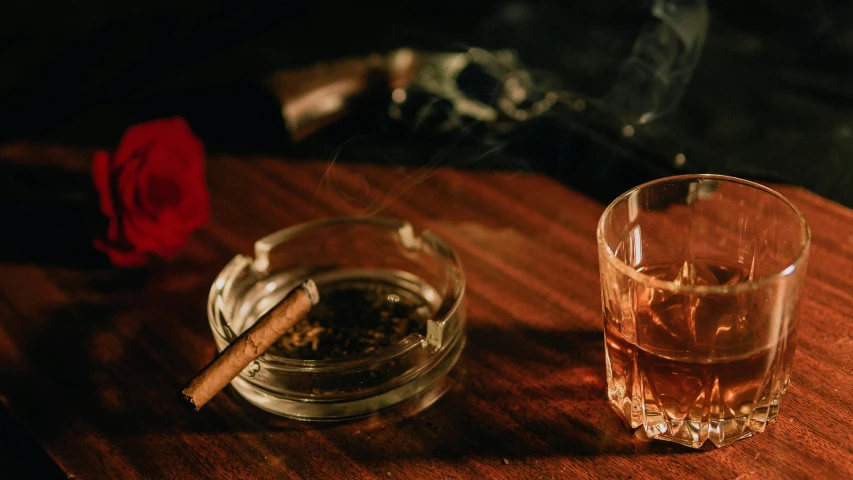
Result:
x=387 y=259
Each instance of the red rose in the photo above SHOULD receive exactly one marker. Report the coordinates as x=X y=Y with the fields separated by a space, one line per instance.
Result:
x=152 y=190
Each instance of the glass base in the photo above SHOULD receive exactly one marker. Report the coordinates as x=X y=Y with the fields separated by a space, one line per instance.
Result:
x=638 y=406
x=416 y=395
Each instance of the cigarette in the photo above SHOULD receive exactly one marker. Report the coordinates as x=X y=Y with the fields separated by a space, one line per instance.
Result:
x=250 y=345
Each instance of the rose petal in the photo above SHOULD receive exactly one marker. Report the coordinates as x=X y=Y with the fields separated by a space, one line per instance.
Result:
x=163 y=192
x=181 y=140
x=142 y=136
x=129 y=189
x=142 y=234
x=170 y=221
x=114 y=230
x=119 y=257
x=195 y=209
x=162 y=179
x=101 y=179
x=148 y=235
x=196 y=198
x=179 y=156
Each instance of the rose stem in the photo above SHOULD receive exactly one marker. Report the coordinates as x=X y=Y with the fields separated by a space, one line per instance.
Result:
x=250 y=345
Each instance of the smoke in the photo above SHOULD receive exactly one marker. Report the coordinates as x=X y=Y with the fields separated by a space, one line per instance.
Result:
x=396 y=170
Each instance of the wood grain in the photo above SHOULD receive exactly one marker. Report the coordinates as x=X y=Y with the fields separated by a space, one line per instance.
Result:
x=90 y=357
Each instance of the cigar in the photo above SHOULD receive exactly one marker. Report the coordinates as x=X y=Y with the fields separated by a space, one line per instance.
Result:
x=250 y=345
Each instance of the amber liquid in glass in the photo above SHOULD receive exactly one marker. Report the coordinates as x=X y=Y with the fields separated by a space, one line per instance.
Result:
x=703 y=366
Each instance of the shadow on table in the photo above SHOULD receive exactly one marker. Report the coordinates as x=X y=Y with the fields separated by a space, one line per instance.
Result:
x=50 y=216
x=109 y=370
x=559 y=409
x=71 y=360
x=20 y=455
x=105 y=359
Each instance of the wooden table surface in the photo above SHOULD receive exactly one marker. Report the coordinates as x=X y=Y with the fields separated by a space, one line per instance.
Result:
x=91 y=357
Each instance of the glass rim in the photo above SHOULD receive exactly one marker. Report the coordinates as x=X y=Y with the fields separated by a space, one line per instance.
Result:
x=669 y=285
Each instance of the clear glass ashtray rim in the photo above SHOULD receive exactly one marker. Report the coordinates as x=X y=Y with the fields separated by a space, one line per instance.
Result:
x=220 y=325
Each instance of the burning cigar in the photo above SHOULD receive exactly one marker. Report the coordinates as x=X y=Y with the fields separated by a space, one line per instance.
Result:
x=250 y=345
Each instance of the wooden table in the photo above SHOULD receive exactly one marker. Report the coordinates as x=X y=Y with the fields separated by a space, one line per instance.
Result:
x=91 y=358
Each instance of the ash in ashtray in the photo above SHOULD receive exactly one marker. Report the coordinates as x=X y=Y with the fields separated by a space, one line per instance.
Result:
x=354 y=318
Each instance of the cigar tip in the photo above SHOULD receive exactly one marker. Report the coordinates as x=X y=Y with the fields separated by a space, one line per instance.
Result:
x=188 y=400
x=311 y=289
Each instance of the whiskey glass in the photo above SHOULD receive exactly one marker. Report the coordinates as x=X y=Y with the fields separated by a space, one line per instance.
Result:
x=701 y=278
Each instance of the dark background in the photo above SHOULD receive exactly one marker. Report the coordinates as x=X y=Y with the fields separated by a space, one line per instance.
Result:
x=771 y=99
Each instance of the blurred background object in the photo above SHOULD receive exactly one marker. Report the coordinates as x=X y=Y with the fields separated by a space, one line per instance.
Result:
x=768 y=96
